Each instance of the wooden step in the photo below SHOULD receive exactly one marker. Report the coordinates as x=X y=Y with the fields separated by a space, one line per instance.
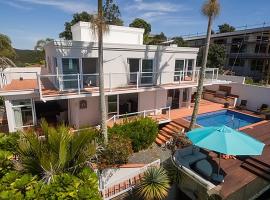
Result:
x=173 y=128
x=259 y=161
x=177 y=125
x=168 y=131
x=159 y=142
x=258 y=165
x=165 y=134
x=256 y=171
x=162 y=138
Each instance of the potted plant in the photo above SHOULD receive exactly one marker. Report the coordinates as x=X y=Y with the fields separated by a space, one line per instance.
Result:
x=266 y=112
x=226 y=105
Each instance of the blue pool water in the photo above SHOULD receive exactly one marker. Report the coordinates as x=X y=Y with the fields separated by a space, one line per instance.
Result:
x=229 y=118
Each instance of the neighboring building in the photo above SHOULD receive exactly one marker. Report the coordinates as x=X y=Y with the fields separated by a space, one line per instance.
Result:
x=248 y=51
x=149 y=80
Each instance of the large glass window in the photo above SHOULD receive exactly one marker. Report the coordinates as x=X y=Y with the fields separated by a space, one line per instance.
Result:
x=179 y=67
x=70 y=67
x=23 y=113
x=147 y=71
x=112 y=105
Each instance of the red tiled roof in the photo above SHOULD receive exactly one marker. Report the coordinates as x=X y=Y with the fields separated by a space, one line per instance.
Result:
x=25 y=84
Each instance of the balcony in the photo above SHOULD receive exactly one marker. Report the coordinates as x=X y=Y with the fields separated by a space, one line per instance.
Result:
x=50 y=86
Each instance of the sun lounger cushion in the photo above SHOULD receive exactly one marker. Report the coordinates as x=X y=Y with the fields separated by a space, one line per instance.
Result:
x=189 y=155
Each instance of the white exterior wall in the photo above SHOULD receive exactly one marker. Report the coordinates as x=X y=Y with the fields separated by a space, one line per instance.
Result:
x=84 y=117
x=152 y=100
x=116 y=35
x=24 y=72
x=255 y=95
x=116 y=56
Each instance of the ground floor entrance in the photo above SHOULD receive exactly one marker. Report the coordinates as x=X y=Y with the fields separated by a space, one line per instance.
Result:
x=122 y=104
x=178 y=98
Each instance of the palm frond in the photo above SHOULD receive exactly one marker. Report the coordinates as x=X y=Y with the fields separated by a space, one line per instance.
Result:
x=154 y=184
x=211 y=8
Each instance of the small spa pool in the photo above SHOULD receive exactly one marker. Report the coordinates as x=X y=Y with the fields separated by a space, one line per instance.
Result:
x=229 y=118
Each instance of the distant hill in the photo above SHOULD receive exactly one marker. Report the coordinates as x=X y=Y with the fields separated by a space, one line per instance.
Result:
x=28 y=57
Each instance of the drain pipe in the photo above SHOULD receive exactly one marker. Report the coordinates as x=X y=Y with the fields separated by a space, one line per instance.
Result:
x=39 y=87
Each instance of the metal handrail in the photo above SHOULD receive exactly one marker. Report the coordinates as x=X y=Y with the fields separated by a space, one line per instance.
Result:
x=115 y=117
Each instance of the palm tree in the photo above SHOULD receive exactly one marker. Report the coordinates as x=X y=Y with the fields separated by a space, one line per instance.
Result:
x=41 y=43
x=154 y=185
x=99 y=26
x=59 y=151
x=210 y=9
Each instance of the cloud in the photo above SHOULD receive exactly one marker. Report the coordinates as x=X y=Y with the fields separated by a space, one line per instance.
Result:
x=70 y=6
x=17 y=5
x=140 y=5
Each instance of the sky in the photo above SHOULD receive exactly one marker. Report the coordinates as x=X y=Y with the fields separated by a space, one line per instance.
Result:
x=26 y=21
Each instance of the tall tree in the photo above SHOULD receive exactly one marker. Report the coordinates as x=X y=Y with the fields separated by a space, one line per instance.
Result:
x=6 y=49
x=99 y=26
x=140 y=23
x=83 y=16
x=210 y=9
x=41 y=44
x=157 y=39
x=112 y=13
x=216 y=56
x=225 y=28
x=180 y=41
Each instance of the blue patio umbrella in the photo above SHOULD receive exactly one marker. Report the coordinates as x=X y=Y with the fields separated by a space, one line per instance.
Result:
x=225 y=140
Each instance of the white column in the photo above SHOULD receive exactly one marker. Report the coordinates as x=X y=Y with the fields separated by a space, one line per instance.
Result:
x=10 y=116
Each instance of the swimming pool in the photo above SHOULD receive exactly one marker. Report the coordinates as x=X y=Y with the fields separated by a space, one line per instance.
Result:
x=229 y=118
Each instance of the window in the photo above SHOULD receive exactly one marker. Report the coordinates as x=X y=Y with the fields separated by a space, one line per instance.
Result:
x=238 y=45
x=257 y=65
x=220 y=41
x=238 y=62
x=70 y=66
x=23 y=113
x=261 y=48
x=147 y=71
x=262 y=38
x=112 y=105
x=179 y=66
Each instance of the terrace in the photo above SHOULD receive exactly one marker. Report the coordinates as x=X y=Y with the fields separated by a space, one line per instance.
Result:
x=50 y=86
x=244 y=176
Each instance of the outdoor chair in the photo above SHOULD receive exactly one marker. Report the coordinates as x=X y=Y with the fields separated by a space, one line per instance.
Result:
x=262 y=108
x=243 y=105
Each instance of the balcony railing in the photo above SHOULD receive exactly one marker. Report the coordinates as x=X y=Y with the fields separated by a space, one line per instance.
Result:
x=112 y=81
x=54 y=84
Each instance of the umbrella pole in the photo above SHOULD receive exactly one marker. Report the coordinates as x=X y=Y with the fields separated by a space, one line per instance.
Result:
x=219 y=164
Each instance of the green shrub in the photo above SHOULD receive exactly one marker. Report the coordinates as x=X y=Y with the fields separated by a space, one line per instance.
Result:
x=65 y=186
x=9 y=142
x=116 y=152
x=141 y=131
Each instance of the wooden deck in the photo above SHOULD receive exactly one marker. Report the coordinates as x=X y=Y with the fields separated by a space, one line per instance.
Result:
x=244 y=171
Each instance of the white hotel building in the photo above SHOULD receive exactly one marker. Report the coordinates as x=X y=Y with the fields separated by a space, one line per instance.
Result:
x=141 y=79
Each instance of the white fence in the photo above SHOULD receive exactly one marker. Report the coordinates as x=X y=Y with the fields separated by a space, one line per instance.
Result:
x=108 y=190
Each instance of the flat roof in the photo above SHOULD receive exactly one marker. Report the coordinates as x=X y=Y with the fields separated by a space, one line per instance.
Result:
x=234 y=33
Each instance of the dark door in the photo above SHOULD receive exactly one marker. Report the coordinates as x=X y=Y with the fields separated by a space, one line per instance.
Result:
x=173 y=98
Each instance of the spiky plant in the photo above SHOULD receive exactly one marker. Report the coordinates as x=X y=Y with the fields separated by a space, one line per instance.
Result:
x=154 y=185
x=210 y=9
x=58 y=152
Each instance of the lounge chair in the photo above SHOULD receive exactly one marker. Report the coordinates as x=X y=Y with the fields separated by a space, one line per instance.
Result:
x=262 y=108
x=243 y=105
x=189 y=155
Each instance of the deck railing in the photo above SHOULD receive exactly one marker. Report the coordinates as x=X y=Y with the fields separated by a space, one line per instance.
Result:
x=163 y=113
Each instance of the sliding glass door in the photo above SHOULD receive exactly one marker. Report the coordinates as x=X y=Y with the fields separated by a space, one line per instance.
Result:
x=23 y=113
x=147 y=72
x=70 y=69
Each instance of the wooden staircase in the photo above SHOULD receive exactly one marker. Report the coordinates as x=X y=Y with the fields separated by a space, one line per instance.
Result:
x=166 y=133
x=257 y=167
